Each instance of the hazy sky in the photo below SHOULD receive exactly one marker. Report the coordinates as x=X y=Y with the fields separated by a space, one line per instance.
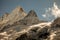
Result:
x=38 y=5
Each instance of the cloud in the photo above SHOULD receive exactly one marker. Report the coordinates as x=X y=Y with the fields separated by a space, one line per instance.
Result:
x=44 y=15
x=55 y=11
x=52 y=13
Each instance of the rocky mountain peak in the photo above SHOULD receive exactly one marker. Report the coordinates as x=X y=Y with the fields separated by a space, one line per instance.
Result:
x=21 y=9
x=32 y=13
x=30 y=19
x=18 y=9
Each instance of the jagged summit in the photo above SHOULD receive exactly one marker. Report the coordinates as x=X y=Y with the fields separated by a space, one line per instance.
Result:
x=18 y=9
x=32 y=13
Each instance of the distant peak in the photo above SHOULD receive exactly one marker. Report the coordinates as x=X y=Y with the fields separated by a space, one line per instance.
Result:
x=20 y=9
x=32 y=13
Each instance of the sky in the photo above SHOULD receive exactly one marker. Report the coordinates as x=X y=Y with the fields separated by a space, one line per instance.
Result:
x=43 y=8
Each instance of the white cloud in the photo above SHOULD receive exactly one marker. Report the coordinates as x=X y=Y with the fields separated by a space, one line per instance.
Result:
x=44 y=15
x=52 y=13
x=55 y=11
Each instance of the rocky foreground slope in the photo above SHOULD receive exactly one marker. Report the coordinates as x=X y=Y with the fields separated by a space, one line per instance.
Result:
x=21 y=26
x=42 y=31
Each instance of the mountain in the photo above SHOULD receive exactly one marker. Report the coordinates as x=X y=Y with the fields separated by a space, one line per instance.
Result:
x=21 y=26
x=32 y=13
x=30 y=19
x=16 y=15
